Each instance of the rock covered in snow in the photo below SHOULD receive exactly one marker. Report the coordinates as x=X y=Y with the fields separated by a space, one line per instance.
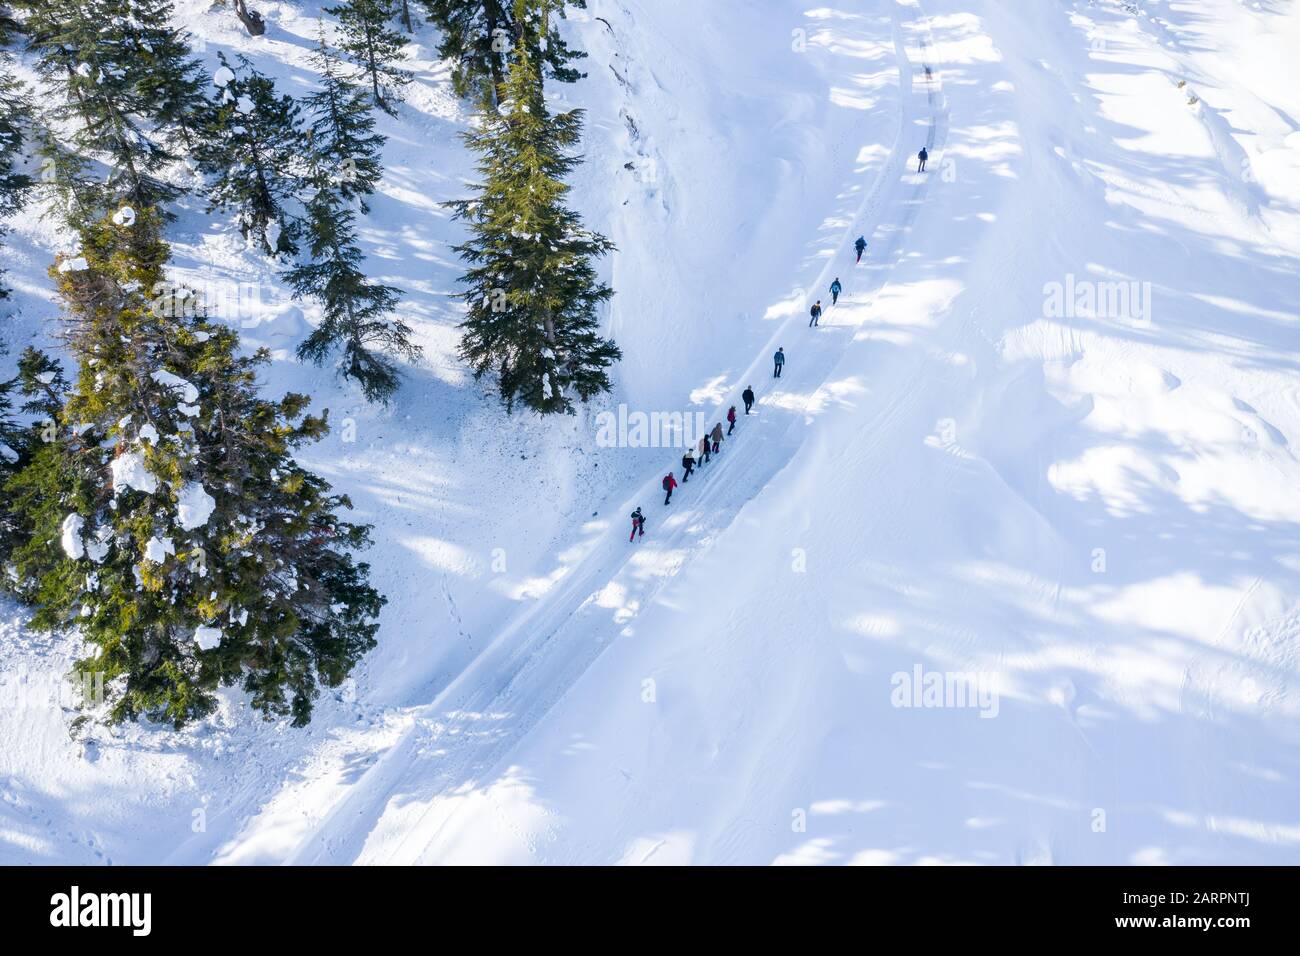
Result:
x=129 y=471
x=73 y=546
x=194 y=506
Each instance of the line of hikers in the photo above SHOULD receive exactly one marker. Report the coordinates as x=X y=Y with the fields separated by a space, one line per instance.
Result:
x=696 y=457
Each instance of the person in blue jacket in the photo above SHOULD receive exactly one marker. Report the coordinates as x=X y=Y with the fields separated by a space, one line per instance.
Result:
x=861 y=246
x=779 y=361
x=836 y=289
x=922 y=156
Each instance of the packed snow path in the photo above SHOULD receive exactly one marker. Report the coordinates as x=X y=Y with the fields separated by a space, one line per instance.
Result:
x=396 y=807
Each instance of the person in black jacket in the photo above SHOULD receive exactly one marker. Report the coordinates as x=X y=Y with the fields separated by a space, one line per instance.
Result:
x=922 y=156
x=748 y=396
x=688 y=464
x=638 y=524
x=815 y=312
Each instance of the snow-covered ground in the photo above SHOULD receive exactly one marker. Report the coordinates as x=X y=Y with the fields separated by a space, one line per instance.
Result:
x=1042 y=450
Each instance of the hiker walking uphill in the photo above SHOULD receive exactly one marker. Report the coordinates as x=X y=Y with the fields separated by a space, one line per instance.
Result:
x=748 y=396
x=638 y=524
x=779 y=361
x=716 y=435
x=816 y=313
x=922 y=156
x=704 y=450
x=836 y=289
x=669 y=483
x=731 y=418
x=688 y=464
x=861 y=246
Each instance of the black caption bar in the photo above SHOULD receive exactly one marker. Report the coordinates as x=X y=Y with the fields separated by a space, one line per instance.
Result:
x=137 y=906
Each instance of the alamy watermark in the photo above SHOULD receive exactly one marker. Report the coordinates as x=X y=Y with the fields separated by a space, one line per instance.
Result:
x=1125 y=300
x=976 y=690
x=636 y=429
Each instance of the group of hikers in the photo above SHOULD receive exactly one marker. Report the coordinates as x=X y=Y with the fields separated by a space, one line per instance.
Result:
x=697 y=456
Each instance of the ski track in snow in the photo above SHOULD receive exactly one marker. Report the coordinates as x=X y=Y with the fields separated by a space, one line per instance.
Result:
x=464 y=734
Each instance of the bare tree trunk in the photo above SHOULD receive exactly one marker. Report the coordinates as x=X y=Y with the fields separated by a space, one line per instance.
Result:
x=251 y=19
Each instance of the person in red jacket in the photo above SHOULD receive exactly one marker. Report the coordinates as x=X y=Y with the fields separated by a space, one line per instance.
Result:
x=669 y=484
x=638 y=524
x=731 y=417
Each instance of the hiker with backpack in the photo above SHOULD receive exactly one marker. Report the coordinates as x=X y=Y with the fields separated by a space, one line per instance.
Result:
x=688 y=464
x=668 y=484
x=731 y=417
x=861 y=246
x=836 y=289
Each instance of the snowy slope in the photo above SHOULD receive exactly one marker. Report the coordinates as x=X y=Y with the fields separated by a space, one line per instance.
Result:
x=1091 y=514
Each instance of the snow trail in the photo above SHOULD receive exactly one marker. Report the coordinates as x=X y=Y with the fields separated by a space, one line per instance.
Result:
x=459 y=739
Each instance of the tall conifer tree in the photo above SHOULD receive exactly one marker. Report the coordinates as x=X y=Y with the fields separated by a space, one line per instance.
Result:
x=253 y=154
x=170 y=523
x=533 y=292
x=478 y=36
x=371 y=43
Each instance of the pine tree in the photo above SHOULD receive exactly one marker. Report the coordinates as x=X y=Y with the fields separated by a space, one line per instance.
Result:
x=169 y=80
x=171 y=525
x=356 y=310
x=10 y=28
x=344 y=169
x=533 y=290
x=15 y=114
x=341 y=129
x=375 y=47
x=113 y=94
x=41 y=385
x=478 y=35
x=252 y=153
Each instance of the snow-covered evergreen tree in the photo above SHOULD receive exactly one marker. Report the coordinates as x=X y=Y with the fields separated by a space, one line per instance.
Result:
x=170 y=523
x=341 y=129
x=15 y=114
x=357 y=311
x=10 y=27
x=478 y=35
x=371 y=43
x=252 y=152
x=344 y=168
x=533 y=291
x=123 y=81
x=40 y=386
x=171 y=84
